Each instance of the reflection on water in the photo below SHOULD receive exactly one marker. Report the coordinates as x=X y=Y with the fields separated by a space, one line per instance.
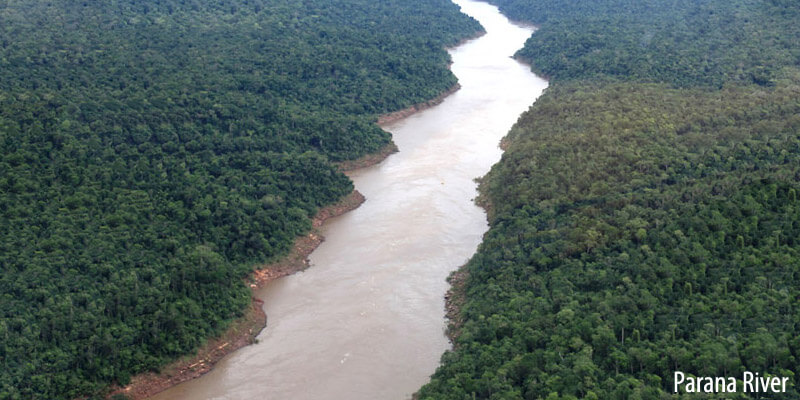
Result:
x=367 y=320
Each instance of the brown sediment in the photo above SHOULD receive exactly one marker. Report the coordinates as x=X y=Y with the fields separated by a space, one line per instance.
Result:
x=456 y=296
x=245 y=329
x=242 y=332
x=505 y=142
x=406 y=112
x=369 y=159
x=454 y=300
x=297 y=260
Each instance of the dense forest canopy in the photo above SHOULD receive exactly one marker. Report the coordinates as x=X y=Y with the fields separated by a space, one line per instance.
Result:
x=683 y=42
x=645 y=216
x=152 y=152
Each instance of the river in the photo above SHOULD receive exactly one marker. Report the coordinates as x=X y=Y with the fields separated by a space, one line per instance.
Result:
x=366 y=321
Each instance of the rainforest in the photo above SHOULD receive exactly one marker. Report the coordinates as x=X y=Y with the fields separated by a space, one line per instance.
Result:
x=644 y=217
x=151 y=153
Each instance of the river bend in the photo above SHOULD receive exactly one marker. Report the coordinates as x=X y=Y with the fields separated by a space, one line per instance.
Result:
x=366 y=321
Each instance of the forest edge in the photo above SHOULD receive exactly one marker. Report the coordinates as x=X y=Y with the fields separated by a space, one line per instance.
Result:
x=244 y=330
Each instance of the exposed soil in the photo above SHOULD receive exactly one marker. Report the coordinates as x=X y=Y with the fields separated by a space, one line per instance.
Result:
x=297 y=259
x=244 y=330
x=369 y=159
x=454 y=300
x=398 y=115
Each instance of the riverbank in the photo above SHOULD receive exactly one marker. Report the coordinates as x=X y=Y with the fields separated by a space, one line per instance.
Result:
x=242 y=332
x=407 y=112
x=369 y=159
x=245 y=329
x=368 y=318
x=454 y=299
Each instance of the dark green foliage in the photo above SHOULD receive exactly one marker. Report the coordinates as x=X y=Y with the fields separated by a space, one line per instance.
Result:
x=152 y=152
x=633 y=241
x=682 y=42
x=643 y=221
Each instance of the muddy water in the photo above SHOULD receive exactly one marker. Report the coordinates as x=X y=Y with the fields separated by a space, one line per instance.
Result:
x=366 y=321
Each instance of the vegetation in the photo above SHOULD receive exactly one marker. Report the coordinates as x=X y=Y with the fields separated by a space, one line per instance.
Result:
x=644 y=219
x=684 y=42
x=152 y=152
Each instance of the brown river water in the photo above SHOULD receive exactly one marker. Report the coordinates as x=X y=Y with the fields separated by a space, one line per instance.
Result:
x=366 y=321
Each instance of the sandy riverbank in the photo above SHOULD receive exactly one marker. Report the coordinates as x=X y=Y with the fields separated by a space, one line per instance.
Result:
x=406 y=112
x=244 y=330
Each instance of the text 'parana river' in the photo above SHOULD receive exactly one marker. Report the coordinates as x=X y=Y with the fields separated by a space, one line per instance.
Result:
x=366 y=321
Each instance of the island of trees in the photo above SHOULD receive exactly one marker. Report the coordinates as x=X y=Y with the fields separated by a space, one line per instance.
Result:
x=645 y=217
x=153 y=152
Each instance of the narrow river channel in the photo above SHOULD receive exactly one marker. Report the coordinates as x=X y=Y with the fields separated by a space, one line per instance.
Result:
x=366 y=321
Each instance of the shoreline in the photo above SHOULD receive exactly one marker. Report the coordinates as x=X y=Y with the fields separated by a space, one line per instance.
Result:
x=456 y=295
x=244 y=330
x=368 y=160
x=454 y=299
x=408 y=111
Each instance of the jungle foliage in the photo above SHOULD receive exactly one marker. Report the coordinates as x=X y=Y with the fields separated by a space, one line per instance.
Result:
x=684 y=42
x=152 y=152
x=641 y=223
